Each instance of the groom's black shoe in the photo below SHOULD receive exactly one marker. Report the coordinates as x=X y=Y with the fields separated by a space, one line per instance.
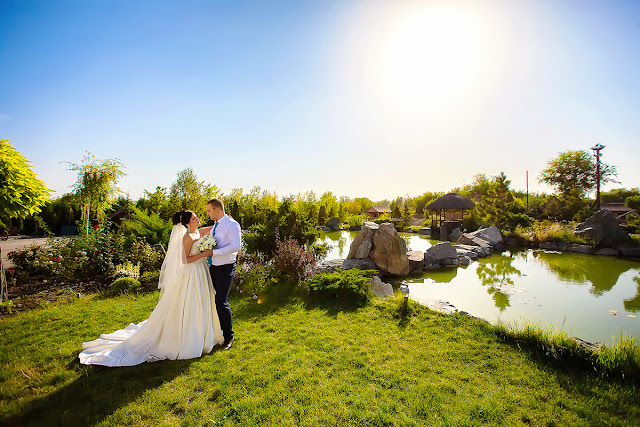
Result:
x=227 y=344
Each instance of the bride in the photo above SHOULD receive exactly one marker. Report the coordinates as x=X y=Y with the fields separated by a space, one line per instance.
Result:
x=184 y=324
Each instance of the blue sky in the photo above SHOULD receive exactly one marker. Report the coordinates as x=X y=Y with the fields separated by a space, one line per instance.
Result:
x=372 y=98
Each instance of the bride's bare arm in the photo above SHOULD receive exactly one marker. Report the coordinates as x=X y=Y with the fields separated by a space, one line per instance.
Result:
x=187 y=242
x=204 y=230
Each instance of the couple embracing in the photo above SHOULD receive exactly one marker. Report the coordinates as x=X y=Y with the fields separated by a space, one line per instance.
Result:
x=193 y=314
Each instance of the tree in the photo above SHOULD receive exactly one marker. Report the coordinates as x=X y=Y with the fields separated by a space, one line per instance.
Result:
x=189 y=193
x=21 y=192
x=575 y=171
x=96 y=186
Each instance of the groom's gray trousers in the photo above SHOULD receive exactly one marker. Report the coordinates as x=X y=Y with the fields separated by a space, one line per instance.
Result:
x=222 y=276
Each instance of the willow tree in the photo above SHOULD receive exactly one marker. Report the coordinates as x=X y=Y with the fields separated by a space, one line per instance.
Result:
x=96 y=186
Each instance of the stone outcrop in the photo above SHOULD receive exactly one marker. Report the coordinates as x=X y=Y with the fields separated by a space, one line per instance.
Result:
x=444 y=235
x=583 y=249
x=389 y=251
x=362 y=244
x=628 y=250
x=487 y=238
x=379 y=288
x=602 y=227
x=383 y=245
x=607 y=252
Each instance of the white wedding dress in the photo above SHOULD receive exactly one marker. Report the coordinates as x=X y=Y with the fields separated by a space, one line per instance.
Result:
x=183 y=325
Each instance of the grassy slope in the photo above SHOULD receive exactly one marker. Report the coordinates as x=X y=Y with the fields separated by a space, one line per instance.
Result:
x=297 y=364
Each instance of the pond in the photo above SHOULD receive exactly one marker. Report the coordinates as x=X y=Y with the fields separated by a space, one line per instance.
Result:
x=592 y=297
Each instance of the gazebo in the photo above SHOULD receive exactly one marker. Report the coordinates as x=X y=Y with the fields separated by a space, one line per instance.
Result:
x=449 y=209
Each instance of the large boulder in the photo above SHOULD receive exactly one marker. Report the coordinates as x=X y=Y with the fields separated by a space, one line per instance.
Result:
x=362 y=244
x=389 y=251
x=443 y=254
x=602 y=227
x=488 y=238
x=334 y=224
x=379 y=288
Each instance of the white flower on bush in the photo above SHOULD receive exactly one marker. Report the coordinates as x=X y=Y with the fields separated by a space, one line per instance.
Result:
x=206 y=242
x=36 y=262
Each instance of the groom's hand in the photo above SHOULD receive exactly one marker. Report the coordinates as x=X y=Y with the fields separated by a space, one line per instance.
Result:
x=207 y=253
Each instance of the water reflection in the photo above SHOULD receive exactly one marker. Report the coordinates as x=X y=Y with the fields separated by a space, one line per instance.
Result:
x=633 y=304
x=498 y=274
x=444 y=275
x=579 y=268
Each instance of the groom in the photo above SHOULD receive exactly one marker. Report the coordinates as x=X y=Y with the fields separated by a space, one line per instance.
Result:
x=222 y=264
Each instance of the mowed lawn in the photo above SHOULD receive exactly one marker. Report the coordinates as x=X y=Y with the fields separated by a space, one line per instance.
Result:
x=298 y=363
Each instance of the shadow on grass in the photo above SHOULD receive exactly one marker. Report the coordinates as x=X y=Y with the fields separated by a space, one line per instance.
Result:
x=97 y=393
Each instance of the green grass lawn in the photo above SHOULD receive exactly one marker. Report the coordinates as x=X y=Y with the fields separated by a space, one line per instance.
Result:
x=298 y=363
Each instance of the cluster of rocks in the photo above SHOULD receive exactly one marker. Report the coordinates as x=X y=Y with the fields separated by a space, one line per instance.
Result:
x=469 y=247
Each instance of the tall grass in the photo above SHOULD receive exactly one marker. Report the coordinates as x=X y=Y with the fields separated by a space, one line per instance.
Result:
x=621 y=359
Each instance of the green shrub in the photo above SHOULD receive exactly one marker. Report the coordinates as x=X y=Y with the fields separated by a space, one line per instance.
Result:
x=350 y=286
x=150 y=277
x=6 y=307
x=124 y=285
x=143 y=254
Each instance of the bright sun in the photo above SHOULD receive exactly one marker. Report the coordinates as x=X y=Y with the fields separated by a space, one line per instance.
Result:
x=430 y=57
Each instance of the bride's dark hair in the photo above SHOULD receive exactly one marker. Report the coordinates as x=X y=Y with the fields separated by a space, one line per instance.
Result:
x=182 y=217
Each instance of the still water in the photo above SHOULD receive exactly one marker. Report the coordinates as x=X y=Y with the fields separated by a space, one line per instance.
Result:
x=595 y=298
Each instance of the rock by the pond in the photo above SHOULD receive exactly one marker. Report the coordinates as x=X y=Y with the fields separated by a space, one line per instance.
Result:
x=551 y=246
x=330 y=266
x=470 y=240
x=491 y=234
x=469 y=251
x=355 y=228
x=333 y=223
x=325 y=229
x=628 y=250
x=425 y=231
x=443 y=254
x=444 y=235
x=363 y=242
x=416 y=261
x=607 y=252
x=389 y=251
x=464 y=260
x=583 y=249
x=602 y=227
x=380 y=289
x=455 y=234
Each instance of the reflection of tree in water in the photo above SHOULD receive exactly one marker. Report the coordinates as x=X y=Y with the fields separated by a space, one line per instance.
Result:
x=601 y=272
x=497 y=272
x=633 y=304
x=341 y=242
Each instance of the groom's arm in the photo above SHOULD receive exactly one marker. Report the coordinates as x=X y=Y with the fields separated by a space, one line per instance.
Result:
x=234 y=243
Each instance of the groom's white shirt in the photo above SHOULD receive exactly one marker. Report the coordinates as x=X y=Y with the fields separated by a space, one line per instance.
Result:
x=228 y=240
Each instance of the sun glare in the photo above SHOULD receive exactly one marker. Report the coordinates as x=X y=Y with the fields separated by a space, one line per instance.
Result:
x=430 y=57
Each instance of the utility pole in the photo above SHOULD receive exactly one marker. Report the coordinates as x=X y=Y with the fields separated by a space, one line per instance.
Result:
x=597 y=149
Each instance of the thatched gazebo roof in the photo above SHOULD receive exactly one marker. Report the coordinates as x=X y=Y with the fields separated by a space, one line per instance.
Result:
x=451 y=201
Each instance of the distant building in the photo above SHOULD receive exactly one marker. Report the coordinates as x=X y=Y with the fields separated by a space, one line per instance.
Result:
x=619 y=210
x=376 y=211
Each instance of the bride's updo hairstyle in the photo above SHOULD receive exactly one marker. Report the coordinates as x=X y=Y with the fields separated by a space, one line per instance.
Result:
x=182 y=217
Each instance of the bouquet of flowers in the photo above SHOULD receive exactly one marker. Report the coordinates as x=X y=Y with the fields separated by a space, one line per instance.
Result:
x=206 y=242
